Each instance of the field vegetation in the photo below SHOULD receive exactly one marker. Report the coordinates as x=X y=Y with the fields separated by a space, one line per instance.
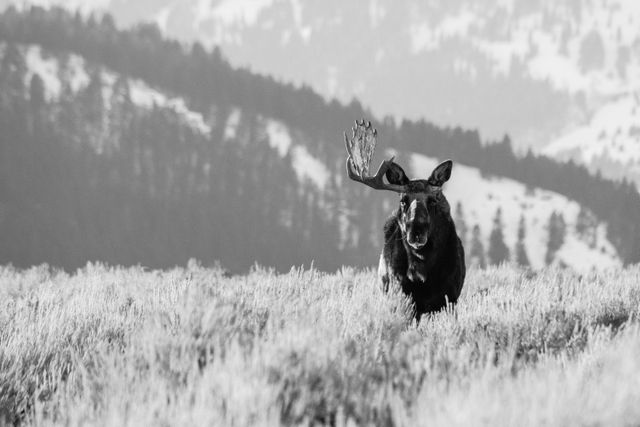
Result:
x=192 y=346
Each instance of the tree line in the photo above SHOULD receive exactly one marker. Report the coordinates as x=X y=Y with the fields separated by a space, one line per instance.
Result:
x=498 y=252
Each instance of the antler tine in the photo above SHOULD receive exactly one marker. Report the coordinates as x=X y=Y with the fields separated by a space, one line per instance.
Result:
x=377 y=181
x=347 y=145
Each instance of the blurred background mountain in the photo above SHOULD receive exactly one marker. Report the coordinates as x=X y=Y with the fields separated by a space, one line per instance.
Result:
x=124 y=146
x=560 y=77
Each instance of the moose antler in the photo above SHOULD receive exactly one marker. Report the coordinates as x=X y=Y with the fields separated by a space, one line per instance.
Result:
x=360 y=149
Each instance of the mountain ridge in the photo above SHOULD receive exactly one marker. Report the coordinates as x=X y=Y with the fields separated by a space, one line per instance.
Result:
x=320 y=146
x=487 y=196
x=552 y=65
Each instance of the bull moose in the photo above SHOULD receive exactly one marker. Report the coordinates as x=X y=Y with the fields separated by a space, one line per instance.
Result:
x=422 y=252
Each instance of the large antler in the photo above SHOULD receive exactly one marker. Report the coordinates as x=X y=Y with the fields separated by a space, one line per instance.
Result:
x=360 y=149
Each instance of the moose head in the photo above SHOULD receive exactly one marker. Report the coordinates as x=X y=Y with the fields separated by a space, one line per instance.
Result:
x=422 y=251
x=421 y=200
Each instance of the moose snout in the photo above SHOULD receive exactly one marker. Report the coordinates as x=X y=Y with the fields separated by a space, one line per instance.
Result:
x=416 y=224
x=417 y=238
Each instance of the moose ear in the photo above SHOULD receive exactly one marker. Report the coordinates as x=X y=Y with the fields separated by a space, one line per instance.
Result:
x=395 y=175
x=441 y=173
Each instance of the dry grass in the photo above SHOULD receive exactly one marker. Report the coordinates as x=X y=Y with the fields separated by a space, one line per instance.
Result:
x=192 y=347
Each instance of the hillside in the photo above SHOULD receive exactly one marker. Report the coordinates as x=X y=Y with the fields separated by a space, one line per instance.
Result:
x=310 y=174
x=554 y=66
x=482 y=196
x=189 y=347
x=608 y=141
x=156 y=154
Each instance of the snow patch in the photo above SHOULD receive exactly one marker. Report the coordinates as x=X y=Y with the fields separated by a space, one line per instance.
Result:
x=162 y=18
x=377 y=13
x=279 y=137
x=456 y=25
x=75 y=71
x=613 y=133
x=422 y=38
x=581 y=258
x=233 y=123
x=84 y=6
x=47 y=69
x=309 y=168
x=305 y=33
x=427 y=36
x=232 y=11
x=144 y=96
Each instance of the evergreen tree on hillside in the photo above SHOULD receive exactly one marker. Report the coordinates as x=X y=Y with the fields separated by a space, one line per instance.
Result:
x=587 y=227
x=557 y=230
x=582 y=221
x=592 y=52
x=498 y=250
x=522 y=258
x=12 y=71
x=36 y=104
x=36 y=92
x=476 y=252
x=461 y=225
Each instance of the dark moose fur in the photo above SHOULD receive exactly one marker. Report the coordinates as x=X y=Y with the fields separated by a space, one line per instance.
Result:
x=433 y=275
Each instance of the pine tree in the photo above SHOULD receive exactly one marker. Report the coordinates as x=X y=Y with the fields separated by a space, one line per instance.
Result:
x=587 y=227
x=521 y=251
x=36 y=92
x=461 y=225
x=557 y=231
x=476 y=253
x=36 y=103
x=498 y=250
x=582 y=221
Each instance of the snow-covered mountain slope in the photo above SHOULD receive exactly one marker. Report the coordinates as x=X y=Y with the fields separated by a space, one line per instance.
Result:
x=480 y=196
x=609 y=141
x=308 y=168
x=77 y=72
x=537 y=70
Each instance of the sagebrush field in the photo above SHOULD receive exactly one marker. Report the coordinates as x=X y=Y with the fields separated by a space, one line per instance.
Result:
x=111 y=346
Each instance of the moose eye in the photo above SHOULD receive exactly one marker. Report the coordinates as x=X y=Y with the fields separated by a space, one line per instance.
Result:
x=404 y=201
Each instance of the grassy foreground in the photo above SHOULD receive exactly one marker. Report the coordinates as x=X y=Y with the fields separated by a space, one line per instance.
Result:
x=111 y=346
